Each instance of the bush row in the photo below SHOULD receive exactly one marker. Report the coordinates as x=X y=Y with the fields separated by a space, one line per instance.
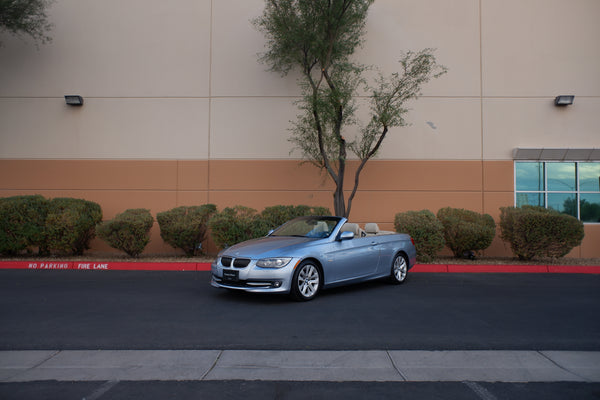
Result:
x=66 y=226
x=530 y=231
x=57 y=226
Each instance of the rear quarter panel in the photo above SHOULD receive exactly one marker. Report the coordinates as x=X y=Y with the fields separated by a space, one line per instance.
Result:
x=389 y=246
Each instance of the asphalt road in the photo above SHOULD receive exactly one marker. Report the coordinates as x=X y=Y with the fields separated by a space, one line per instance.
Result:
x=75 y=310
x=252 y=390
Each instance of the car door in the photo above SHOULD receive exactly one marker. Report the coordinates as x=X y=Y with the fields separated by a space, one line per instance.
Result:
x=350 y=259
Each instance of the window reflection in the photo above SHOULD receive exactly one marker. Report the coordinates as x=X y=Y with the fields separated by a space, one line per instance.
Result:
x=589 y=177
x=530 y=176
x=569 y=187
x=590 y=207
x=563 y=202
x=561 y=176
x=530 y=199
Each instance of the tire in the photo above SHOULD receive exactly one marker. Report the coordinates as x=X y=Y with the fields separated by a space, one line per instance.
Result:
x=399 y=270
x=307 y=281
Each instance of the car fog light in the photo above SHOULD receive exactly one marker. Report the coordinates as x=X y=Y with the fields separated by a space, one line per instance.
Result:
x=276 y=284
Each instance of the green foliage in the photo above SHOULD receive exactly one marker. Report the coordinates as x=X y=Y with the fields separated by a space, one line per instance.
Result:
x=466 y=231
x=22 y=221
x=185 y=227
x=539 y=232
x=236 y=224
x=590 y=212
x=71 y=225
x=426 y=230
x=318 y=38
x=303 y=32
x=26 y=17
x=277 y=215
x=128 y=231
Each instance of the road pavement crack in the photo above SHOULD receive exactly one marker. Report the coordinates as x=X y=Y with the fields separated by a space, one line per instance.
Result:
x=395 y=366
x=561 y=367
x=50 y=357
x=213 y=365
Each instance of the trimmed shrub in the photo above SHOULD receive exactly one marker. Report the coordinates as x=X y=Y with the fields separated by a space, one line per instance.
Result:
x=236 y=224
x=426 y=230
x=539 y=232
x=71 y=225
x=22 y=222
x=277 y=215
x=185 y=227
x=128 y=231
x=466 y=231
x=239 y=223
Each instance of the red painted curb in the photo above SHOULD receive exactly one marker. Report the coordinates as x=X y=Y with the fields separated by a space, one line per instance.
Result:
x=512 y=269
x=133 y=266
x=429 y=268
x=530 y=269
x=203 y=267
x=189 y=266
x=106 y=266
x=573 y=269
x=35 y=265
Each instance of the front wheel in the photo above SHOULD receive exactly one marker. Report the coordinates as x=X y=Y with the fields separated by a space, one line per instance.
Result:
x=306 y=282
x=399 y=269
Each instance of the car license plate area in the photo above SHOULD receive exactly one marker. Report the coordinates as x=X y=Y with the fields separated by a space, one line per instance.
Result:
x=231 y=275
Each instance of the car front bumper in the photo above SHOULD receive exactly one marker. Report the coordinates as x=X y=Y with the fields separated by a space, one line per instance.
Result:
x=253 y=278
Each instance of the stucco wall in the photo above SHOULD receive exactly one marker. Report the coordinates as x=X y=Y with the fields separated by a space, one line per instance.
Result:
x=178 y=110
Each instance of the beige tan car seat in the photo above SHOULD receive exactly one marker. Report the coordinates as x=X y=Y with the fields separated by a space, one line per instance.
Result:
x=371 y=229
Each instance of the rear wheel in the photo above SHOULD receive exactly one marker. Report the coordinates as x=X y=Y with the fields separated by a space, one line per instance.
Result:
x=399 y=269
x=306 y=282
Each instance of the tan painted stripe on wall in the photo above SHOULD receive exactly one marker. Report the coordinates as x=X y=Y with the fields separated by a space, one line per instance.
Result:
x=387 y=187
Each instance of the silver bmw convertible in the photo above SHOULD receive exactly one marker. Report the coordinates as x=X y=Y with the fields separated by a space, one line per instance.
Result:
x=308 y=254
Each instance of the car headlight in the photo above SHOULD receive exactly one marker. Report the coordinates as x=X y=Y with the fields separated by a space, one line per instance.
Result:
x=278 y=262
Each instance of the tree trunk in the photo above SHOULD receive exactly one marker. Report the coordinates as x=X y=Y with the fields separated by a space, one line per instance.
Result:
x=339 y=204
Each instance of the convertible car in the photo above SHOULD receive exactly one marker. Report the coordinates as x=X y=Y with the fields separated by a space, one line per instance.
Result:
x=308 y=254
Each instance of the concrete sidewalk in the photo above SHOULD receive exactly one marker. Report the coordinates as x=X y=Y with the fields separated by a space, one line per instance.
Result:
x=338 y=366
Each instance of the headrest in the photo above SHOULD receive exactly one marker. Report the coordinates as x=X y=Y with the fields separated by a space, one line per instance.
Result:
x=350 y=227
x=371 y=228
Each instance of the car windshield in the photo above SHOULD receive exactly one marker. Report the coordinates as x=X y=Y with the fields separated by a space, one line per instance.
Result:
x=310 y=227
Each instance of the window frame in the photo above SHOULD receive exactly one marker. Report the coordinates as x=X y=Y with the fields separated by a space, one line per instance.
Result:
x=545 y=192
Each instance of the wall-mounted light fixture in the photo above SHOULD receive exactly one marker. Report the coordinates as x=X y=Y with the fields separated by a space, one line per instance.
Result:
x=74 y=100
x=563 y=100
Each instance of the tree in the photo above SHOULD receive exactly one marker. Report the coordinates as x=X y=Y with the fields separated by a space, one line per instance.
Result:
x=318 y=38
x=26 y=17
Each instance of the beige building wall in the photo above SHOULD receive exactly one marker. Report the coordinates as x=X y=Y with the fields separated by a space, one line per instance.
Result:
x=178 y=110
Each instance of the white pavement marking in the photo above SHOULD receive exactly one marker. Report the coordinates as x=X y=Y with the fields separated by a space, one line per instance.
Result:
x=480 y=391
x=101 y=390
x=376 y=366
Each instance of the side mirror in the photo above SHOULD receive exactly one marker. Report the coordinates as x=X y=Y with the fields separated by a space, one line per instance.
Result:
x=347 y=235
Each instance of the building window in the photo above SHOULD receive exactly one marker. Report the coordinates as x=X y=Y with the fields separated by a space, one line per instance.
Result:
x=569 y=187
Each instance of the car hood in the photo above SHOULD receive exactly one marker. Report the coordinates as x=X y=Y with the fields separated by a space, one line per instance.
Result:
x=269 y=246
